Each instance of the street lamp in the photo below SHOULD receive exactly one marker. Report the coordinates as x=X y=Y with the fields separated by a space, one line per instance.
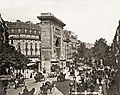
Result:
x=71 y=88
x=40 y=62
x=74 y=80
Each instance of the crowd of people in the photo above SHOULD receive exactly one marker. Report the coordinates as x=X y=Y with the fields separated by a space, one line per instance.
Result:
x=92 y=79
x=27 y=92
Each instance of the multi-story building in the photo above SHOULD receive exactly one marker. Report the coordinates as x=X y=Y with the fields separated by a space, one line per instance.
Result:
x=70 y=44
x=74 y=42
x=51 y=40
x=26 y=36
x=115 y=47
x=3 y=39
x=89 y=45
x=3 y=32
x=115 y=52
x=66 y=42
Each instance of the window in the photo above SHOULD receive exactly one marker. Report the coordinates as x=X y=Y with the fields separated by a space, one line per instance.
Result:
x=19 y=30
x=31 y=48
x=11 y=40
x=35 y=31
x=26 y=48
x=117 y=39
x=25 y=30
x=117 y=31
x=30 y=31
x=18 y=47
x=36 y=48
x=12 y=30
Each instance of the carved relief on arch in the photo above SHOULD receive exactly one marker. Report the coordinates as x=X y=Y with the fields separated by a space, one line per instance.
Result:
x=57 y=43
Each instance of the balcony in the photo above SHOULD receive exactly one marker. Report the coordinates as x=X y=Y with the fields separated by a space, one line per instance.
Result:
x=5 y=77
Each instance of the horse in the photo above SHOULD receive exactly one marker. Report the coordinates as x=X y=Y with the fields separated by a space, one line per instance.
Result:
x=47 y=86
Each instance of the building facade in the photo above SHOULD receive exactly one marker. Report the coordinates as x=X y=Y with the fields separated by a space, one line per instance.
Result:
x=26 y=37
x=51 y=40
x=115 y=47
x=3 y=32
x=3 y=39
x=70 y=42
x=115 y=52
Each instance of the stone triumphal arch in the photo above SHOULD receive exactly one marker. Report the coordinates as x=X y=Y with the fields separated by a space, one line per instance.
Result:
x=51 y=40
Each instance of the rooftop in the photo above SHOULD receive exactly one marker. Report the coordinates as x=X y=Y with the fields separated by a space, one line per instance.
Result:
x=50 y=16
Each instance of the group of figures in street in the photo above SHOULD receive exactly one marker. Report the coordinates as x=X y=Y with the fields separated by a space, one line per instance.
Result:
x=92 y=80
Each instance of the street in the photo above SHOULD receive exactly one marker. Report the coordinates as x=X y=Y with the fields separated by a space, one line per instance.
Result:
x=30 y=83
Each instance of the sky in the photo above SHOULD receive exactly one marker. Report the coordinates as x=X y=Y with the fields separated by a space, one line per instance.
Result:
x=89 y=19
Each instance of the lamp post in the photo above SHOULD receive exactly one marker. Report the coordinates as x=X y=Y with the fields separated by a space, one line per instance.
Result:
x=74 y=80
x=71 y=88
x=39 y=63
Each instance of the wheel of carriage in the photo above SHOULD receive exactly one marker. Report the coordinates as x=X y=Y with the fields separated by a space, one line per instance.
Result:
x=62 y=79
x=58 y=79
x=43 y=78
x=72 y=73
x=16 y=86
x=24 y=83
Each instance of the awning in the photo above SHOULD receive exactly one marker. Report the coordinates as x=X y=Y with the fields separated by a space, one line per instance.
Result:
x=5 y=77
x=62 y=59
x=30 y=64
x=69 y=60
x=54 y=61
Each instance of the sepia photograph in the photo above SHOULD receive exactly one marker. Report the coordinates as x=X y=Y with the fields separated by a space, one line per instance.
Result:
x=60 y=47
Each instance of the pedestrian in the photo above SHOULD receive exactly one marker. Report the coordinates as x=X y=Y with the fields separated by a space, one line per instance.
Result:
x=44 y=89
x=100 y=81
x=31 y=75
x=32 y=91
x=92 y=87
x=25 y=91
x=4 y=91
x=44 y=71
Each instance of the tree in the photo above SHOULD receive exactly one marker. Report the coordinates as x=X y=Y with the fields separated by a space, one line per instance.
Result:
x=81 y=50
x=12 y=56
x=101 y=50
x=75 y=57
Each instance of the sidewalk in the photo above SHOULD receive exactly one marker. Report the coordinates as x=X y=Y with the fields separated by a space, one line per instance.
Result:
x=57 y=92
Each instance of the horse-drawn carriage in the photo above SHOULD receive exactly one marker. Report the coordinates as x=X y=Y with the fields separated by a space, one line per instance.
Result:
x=61 y=77
x=39 y=76
x=13 y=81
x=19 y=82
x=72 y=72
x=52 y=74
x=47 y=87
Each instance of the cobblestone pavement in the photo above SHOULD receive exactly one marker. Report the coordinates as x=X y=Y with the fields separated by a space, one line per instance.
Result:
x=30 y=83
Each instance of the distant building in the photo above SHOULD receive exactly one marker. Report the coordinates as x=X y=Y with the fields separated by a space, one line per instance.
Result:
x=66 y=44
x=74 y=42
x=70 y=41
x=89 y=45
x=26 y=37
